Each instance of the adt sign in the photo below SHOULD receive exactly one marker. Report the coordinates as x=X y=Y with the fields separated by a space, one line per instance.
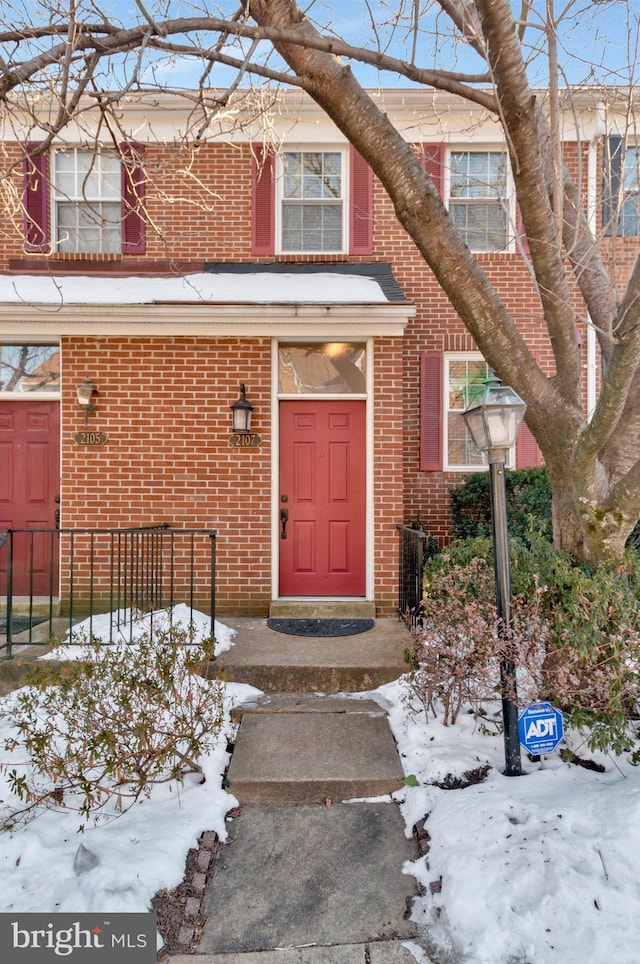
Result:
x=540 y=728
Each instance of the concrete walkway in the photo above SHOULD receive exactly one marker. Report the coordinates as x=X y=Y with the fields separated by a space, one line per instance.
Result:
x=305 y=877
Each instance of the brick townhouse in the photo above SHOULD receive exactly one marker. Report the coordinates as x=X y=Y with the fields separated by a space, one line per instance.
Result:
x=166 y=276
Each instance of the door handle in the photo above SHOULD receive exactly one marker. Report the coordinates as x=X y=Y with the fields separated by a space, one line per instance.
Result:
x=284 y=515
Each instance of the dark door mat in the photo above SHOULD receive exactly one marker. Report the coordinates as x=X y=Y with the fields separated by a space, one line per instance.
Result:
x=320 y=627
x=20 y=623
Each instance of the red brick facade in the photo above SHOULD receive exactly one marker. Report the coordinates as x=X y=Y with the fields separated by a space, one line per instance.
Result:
x=164 y=398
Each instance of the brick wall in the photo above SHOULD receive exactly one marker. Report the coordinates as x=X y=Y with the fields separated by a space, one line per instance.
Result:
x=164 y=405
x=164 y=402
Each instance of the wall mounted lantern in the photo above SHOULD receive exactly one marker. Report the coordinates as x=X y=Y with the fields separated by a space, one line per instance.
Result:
x=494 y=421
x=241 y=413
x=86 y=394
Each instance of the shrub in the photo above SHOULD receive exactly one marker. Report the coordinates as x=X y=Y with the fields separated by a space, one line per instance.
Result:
x=101 y=731
x=575 y=635
x=528 y=501
x=459 y=646
x=528 y=497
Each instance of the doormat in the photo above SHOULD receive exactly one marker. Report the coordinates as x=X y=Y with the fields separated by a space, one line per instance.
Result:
x=20 y=623
x=320 y=627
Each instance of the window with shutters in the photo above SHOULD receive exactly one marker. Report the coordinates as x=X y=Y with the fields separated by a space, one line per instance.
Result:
x=77 y=201
x=311 y=206
x=86 y=206
x=479 y=198
x=464 y=380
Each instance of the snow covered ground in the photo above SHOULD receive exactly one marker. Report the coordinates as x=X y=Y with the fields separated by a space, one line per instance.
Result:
x=535 y=869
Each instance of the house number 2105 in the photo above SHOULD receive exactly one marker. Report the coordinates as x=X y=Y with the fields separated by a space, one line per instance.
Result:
x=91 y=438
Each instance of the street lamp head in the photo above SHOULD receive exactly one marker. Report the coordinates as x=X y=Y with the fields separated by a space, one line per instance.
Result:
x=495 y=418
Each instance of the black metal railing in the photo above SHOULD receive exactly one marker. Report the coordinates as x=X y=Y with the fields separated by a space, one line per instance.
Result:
x=413 y=544
x=60 y=576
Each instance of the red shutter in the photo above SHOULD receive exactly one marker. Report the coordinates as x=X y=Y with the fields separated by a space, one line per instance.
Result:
x=35 y=171
x=263 y=200
x=433 y=163
x=431 y=402
x=528 y=455
x=133 y=193
x=522 y=234
x=360 y=204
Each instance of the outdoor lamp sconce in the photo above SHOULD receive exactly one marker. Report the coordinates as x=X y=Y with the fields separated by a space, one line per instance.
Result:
x=86 y=394
x=241 y=413
x=493 y=421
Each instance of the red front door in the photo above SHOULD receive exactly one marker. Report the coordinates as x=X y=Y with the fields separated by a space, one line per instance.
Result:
x=29 y=484
x=322 y=498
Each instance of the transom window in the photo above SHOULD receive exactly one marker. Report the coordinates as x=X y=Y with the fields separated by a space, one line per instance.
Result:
x=478 y=198
x=331 y=368
x=312 y=201
x=86 y=202
x=29 y=368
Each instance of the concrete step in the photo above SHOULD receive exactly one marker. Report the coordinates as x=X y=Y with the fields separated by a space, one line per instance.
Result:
x=279 y=663
x=322 y=609
x=310 y=875
x=311 y=756
x=306 y=703
x=381 y=952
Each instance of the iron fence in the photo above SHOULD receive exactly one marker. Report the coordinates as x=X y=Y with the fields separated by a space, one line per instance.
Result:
x=52 y=578
x=413 y=543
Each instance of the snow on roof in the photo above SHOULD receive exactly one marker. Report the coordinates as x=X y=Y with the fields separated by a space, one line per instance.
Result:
x=213 y=288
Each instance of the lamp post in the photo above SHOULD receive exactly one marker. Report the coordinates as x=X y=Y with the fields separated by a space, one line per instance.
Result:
x=494 y=421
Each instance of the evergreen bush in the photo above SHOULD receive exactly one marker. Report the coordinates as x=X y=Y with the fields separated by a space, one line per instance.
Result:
x=98 y=733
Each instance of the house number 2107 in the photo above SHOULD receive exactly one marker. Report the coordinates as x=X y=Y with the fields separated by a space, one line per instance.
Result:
x=246 y=440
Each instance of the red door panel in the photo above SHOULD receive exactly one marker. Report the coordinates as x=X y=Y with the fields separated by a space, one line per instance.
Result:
x=322 y=489
x=29 y=483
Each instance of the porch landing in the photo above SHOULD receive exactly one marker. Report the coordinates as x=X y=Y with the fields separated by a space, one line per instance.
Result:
x=278 y=663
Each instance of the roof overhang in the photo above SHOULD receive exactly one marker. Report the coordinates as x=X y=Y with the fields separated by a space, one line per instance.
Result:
x=255 y=300
x=206 y=321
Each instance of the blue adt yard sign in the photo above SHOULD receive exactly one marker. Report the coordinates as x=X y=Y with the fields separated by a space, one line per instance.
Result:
x=540 y=728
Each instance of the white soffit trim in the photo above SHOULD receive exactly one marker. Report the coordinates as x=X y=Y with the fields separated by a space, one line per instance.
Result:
x=209 y=304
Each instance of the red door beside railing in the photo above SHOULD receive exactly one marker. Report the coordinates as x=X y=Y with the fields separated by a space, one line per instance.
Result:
x=322 y=498
x=29 y=484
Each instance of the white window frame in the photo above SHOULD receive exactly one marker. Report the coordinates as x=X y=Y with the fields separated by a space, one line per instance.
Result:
x=448 y=466
x=630 y=194
x=280 y=199
x=510 y=245
x=30 y=395
x=59 y=197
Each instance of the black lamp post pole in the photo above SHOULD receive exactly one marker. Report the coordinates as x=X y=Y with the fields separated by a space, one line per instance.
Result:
x=513 y=764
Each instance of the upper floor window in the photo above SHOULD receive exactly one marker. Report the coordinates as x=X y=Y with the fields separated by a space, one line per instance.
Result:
x=312 y=201
x=86 y=202
x=80 y=201
x=621 y=187
x=629 y=216
x=478 y=198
